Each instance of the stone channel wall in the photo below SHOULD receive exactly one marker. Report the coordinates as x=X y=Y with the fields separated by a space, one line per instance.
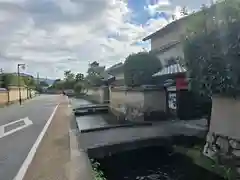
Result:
x=99 y=94
x=134 y=103
x=223 y=138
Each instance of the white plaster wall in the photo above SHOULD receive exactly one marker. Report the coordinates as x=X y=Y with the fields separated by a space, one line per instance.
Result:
x=173 y=52
x=225 y=118
x=119 y=76
x=175 y=35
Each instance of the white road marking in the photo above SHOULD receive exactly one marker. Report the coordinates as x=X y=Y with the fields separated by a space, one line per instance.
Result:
x=27 y=122
x=22 y=171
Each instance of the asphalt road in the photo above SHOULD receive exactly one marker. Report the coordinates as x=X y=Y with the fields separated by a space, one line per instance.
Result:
x=15 y=147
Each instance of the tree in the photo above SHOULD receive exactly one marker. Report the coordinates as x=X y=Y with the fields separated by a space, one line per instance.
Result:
x=29 y=81
x=184 y=11
x=139 y=68
x=212 y=51
x=68 y=75
x=69 y=80
x=79 y=77
x=57 y=84
x=43 y=84
x=93 y=77
x=78 y=87
x=10 y=79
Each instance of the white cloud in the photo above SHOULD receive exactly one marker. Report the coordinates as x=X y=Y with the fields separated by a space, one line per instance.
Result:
x=158 y=6
x=165 y=6
x=51 y=36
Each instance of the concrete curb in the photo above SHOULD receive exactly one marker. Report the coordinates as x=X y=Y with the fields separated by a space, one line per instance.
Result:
x=80 y=168
x=130 y=125
x=80 y=165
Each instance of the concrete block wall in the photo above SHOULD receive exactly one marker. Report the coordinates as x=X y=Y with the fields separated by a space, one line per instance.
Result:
x=3 y=96
x=104 y=94
x=93 y=94
x=12 y=94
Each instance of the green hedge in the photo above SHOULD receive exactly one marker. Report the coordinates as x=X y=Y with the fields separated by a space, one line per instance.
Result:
x=11 y=80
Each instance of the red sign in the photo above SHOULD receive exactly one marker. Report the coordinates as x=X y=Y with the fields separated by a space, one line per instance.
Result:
x=181 y=83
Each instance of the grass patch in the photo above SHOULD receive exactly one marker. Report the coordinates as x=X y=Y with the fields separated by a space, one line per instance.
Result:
x=195 y=153
x=98 y=173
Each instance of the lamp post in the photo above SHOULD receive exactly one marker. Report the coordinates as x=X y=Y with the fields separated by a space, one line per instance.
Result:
x=19 y=88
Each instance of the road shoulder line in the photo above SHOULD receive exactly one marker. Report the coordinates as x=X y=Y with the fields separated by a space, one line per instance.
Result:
x=23 y=169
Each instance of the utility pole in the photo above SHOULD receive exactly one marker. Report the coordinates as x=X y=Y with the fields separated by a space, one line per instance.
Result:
x=1 y=78
x=19 y=86
x=38 y=78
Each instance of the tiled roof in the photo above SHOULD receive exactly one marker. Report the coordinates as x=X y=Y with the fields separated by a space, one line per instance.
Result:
x=173 y=69
x=119 y=65
x=115 y=69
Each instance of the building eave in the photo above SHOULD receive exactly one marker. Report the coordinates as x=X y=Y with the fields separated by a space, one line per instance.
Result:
x=165 y=47
x=170 y=70
x=166 y=28
x=172 y=25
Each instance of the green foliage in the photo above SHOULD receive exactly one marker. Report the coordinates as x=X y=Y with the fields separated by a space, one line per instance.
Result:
x=43 y=84
x=139 y=68
x=9 y=79
x=69 y=76
x=98 y=174
x=93 y=77
x=29 y=81
x=79 y=77
x=70 y=81
x=78 y=87
x=212 y=49
x=184 y=11
x=57 y=84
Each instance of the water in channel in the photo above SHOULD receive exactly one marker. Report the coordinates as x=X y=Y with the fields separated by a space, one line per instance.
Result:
x=153 y=163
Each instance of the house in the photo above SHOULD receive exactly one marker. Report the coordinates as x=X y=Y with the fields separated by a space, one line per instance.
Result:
x=166 y=45
x=166 y=42
x=117 y=72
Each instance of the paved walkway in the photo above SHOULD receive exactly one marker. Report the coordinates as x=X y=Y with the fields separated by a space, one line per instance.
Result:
x=52 y=159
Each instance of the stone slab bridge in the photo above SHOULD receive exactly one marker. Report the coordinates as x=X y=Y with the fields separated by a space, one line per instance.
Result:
x=99 y=139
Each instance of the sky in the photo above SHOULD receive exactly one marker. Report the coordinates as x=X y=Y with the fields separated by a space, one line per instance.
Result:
x=51 y=36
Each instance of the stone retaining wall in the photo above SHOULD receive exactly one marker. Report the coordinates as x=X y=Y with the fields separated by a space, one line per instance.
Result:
x=223 y=149
x=223 y=139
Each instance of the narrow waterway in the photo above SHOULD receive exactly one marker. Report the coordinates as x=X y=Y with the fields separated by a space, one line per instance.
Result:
x=153 y=163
